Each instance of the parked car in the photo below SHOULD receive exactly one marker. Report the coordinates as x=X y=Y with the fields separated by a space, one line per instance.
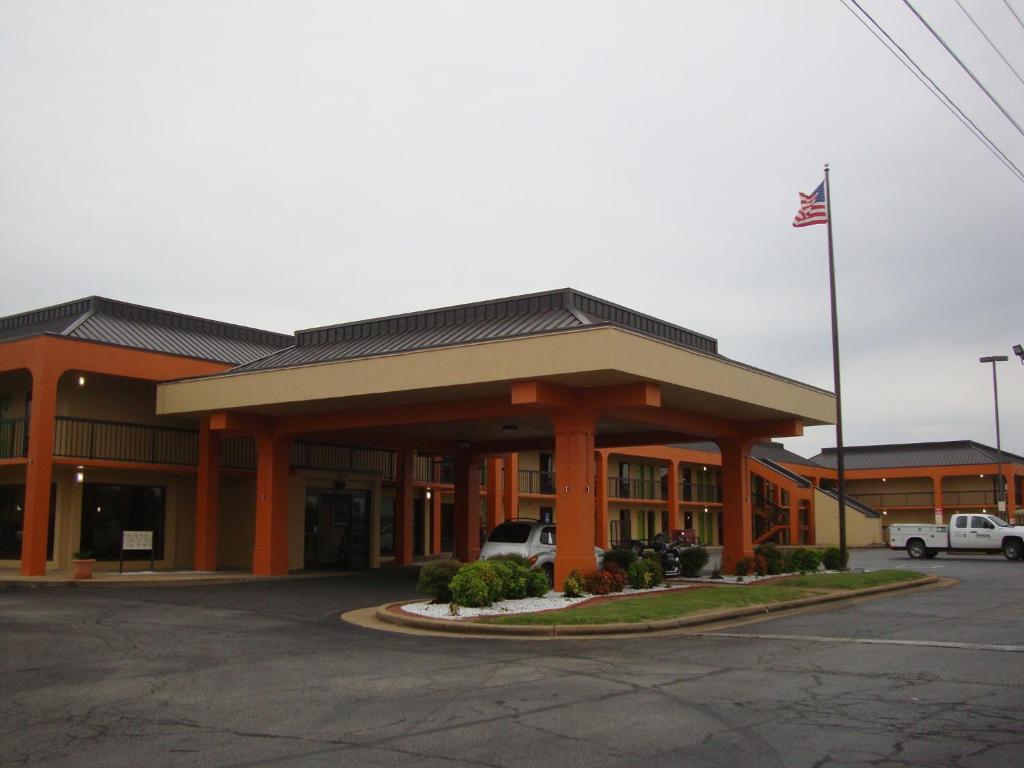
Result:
x=533 y=540
x=965 y=533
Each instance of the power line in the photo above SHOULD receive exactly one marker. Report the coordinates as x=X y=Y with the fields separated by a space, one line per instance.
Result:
x=989 y=40
x=1015 y=15
x=933 y=88
x=965 y=67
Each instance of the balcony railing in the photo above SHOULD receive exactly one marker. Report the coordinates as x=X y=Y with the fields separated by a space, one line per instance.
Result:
x=238 y=453
x=535 y=481
x=700 y=493
x=123 y=441
x=13 y=438
x=625 y=488
x=909 y=499
x=968 y=498
x=423 y=469
x=344 y=458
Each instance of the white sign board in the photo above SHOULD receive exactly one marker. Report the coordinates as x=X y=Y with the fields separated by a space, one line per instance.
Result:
x=136 y=540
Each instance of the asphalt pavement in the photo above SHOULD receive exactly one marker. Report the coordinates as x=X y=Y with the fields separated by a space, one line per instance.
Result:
x=260 y=674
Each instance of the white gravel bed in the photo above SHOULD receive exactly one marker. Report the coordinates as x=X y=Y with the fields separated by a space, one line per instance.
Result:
x=550 y=601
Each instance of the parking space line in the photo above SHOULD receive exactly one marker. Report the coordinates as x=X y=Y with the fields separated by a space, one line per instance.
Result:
x=868 y=641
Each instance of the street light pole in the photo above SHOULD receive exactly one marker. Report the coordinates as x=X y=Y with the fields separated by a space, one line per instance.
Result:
x=1000 y=489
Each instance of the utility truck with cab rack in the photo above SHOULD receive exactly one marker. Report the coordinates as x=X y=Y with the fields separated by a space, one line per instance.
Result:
x=965 y=533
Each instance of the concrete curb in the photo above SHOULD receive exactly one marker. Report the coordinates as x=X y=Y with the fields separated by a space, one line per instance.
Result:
x=409 y=621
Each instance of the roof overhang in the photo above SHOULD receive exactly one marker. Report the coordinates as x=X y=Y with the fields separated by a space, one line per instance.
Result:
x=586 y=358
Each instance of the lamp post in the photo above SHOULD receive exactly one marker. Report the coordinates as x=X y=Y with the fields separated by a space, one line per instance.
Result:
x=1000 y=489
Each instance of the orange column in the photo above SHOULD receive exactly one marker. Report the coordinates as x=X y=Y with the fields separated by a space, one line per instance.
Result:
x=574 y=493
x=270 y=553
x=494 y=510
x=675 y=518
x=1011 y=498
x=601 y=499
x=404 y=507
x=435 y=520
x=467 y=505
x=937 y=498
x=736 y=513
x=510 y=496
x=207 y=497
x=39 y=472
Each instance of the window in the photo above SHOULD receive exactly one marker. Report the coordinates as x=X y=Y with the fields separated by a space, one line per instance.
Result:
x=387 y=526
x=547 y=514
x=980 y=522
x=547 y=536
x=109 y=509
x=961 y=522
x=12 y=518
x=511 y=533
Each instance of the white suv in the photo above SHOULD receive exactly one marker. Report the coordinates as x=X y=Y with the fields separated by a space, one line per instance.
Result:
x=533 y=540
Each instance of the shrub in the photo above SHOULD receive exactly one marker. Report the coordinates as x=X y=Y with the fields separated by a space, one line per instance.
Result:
x=477 y=585
x=743 y=566
x=598 y=583
x=573 y=585
x=537 y=583
x=774 y=560
x=616 y=577
x=512 y=557
x=805 y=560
x=436 y=579
x=623 y=558
x=834 y=560
x=760 y=565
x=513 y=577
x=692 y=561
x=644 y=574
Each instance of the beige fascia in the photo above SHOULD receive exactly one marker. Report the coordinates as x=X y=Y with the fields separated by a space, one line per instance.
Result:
x=582 y=357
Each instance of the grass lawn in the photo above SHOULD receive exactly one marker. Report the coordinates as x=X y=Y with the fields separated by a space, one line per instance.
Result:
x=851 y=580
x=690 y=601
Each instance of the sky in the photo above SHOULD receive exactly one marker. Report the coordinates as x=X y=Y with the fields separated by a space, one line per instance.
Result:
x=289 y=163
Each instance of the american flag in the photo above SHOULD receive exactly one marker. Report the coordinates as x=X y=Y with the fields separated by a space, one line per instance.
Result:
x=812 y=208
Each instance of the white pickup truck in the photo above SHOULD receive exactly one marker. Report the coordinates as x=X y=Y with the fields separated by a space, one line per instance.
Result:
x=965 y=533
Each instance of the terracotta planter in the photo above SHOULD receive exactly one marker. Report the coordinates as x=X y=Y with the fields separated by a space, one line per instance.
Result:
x=82 y=569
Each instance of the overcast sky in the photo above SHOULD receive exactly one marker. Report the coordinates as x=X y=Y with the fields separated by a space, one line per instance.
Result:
x=290 y=163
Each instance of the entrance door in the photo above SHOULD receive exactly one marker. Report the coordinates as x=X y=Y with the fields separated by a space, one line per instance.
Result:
x=338 y=529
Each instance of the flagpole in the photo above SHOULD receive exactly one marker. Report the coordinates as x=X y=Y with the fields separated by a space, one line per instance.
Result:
x=840 y=465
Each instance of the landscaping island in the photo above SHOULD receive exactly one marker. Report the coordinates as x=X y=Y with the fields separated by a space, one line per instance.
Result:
x=617 y=602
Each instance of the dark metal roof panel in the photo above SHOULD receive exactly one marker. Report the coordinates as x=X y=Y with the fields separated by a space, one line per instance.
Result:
x=766 y=451
x=852 y=503
x=946 y=454
x=407 y=340
x=54 y=319
x=130 y=332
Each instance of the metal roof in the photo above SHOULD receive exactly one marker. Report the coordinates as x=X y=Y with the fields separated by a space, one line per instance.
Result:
x=945 y=454
x=852 y=503
x=764 y=451
x=155 y=330
x=515 y=316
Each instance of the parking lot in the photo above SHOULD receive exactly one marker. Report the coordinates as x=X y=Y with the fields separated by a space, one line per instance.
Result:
x=267 y=674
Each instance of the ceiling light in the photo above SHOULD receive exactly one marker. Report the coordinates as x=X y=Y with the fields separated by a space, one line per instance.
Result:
x=81 y=381
x=509 y=429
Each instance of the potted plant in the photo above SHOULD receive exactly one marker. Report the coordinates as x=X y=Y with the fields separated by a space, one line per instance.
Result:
x=81 y=565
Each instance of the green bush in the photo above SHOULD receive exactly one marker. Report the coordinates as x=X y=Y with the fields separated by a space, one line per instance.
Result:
x=834 y=559
x=644 y=574
x=537 y=583
x=774 y=560
x=620 y=557
x=513 y=577
x=477 y=585
x=805 y=560
x=692 y=561
x=436 y=579
x=512 y=557
x=744 y=566
x=573 y=585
